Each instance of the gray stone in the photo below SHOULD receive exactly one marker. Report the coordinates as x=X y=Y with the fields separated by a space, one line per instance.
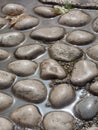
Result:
x=2 y=22
x=80 y=37
x=51 y=69
x=3 y=54
x=83 y=72
x=95 y=25
x=92 y=128
x=23 y=67
x=61 y=51
x=48 y=33
x=94 y=88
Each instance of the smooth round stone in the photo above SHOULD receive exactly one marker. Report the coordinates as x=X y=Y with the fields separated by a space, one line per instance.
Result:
x=65 y=94
x=6 y=124
x=61 y=51
x=51 y=69
x=11 y=39
x=2 y=22
x=75 y=18
x=92 y=52
x=29 y=51
x=26 y=22
x=13 y=9
x=5 y=101
x=23 y=67
x=6 y=79
x=92 y=128
x=58 y=120
x=45 y=11
x=3 y=54
x=48 y=33
x=80 y=37
x=31 y=90
x=83 y=72
x=95 y=24
x=27 y=116
x=87 y=108
x=94 y=88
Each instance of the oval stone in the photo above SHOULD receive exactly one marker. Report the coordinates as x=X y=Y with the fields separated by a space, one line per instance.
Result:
x=92 y=128
x=75 y=18
x=23 y=67
x=26 y=22
x=31 y=90
x=80 y=37
x=3 y=54
x=6 y=79
x=83 y=72
x=51 y=69
x=45 y=11
x=94 y=88
x=13 y=9
x=61 y=51
x=27 y=116
x=58 y=120
x=95 y=24
x=92 y=52
x=65 y=94
x=11 y=39
x=2 y=22
x=87 y=108
x=5 y=102
x=6 y=124
x=29 y=51
x=48 y=33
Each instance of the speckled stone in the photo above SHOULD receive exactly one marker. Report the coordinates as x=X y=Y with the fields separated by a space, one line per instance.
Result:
x=2 y=22
x=3 y=54
x=92 y=128
x=95 y=24
x=94 y=88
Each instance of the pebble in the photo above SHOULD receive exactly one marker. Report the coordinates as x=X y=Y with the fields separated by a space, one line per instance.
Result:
x=23 y=67
x=29 y=51
x=2 y=22
x=87 y=108
x=75 y=18
x=45 y=11
x=92 y=52
x=3 y=54
x=27 y=116
x=6 y=124
x=61 y=96
x=13 y=9
x=95 y=24
x=6 y=79
x=31 y=90
x=94 y=88
x=26 y=21
x=80 y=37
x=51 y=69
x=61 y=51
x=11 y=39
x=58 y=120
x=83 y=72
x=92 y=128
x=48 y=33
x=5 y=102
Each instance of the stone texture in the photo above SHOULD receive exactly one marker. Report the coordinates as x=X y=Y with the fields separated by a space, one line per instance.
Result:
x=3 y=54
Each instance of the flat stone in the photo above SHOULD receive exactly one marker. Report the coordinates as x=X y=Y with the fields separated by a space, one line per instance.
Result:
x=26 y=22
x=29 y=51
x=51 y=69
x=45 y=11
x=80 y=37
x=58 y=120
x=94 y=88
x=87 y=108
x=6 y=79
x=3 y=54
x=61 y=51
x=30 y=90
x=5 y=102
x=2 y=22
x=6 y=124
x=95 y=24
x=92 y=128
x=65 y=94
x=75 y=18
x=23 y=67
x=13 y=9
x=92 y=52
x=27 y=116
x=48 y=33
x=83 y=72
x=11 y=39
